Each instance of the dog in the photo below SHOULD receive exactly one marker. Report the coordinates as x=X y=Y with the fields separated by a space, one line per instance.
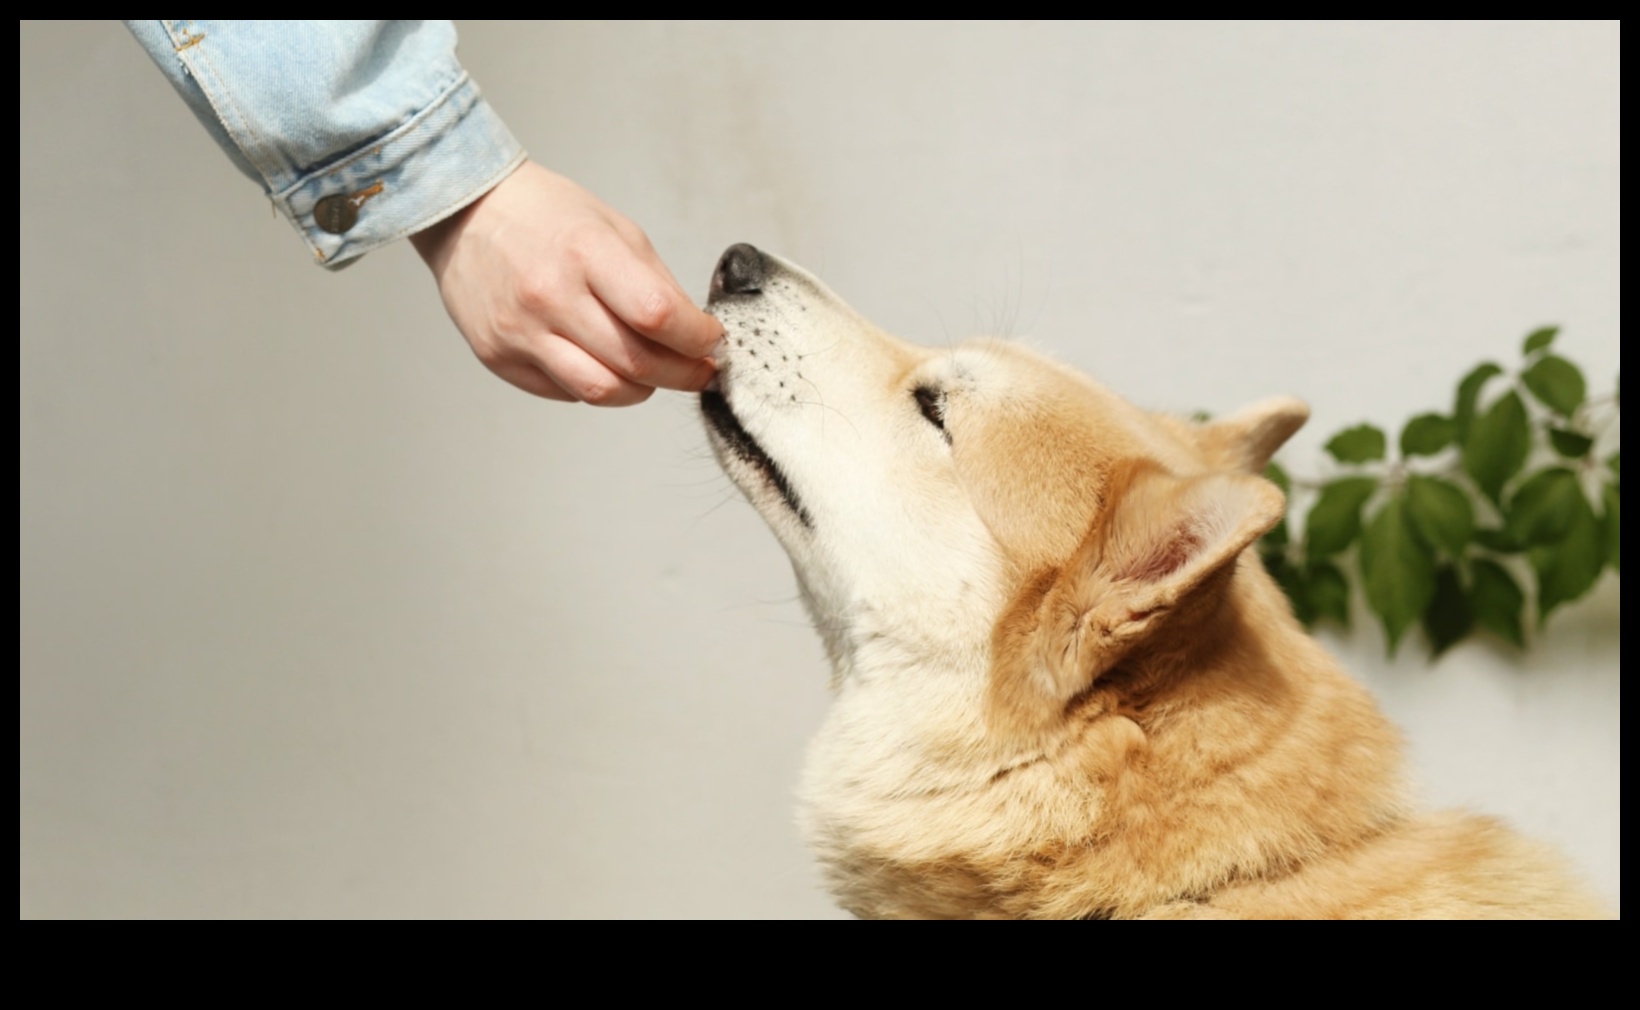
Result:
x=1064 y=685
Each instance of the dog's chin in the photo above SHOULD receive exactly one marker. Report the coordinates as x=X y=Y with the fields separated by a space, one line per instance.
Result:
x=746 y=461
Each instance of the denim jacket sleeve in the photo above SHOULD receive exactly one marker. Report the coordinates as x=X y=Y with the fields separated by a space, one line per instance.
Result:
x=361 y=132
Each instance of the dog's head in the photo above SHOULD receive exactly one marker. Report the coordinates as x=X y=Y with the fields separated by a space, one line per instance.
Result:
x=923 y=493
x=996 y=550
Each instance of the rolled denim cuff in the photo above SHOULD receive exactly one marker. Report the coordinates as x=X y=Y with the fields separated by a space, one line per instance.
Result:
x=442 y=159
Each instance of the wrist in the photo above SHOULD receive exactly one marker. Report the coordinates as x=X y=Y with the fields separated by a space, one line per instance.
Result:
x=432 y=242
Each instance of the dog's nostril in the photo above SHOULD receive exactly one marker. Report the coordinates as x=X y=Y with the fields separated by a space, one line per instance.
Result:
x=739 y=272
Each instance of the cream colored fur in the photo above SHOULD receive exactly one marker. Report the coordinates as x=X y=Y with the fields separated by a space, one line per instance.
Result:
x=1064 y=685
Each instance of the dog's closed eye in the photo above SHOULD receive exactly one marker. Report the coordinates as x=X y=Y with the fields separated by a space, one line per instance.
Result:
x=931 y=402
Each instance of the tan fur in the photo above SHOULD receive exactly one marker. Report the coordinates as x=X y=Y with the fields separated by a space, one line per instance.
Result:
x=1074 y=693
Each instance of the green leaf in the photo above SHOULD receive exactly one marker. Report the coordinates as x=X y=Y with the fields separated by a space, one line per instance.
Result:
x=1613 y=526
x=1450 y=618
x=1542 y=508
x=1397 y=570
x=1612 y=463
x=1556 y=383
x=1469 y=393
x=1335 y=519
x=1498 y=540
x=1570 y=444
x=1328 y=593
x=1427 y=434
x=1291 y=580
x=1442 y=513
x=1539 y=338
x=1568 y=569
x=1497 y=445
x=1497 y=600
x=1360 y=444
x=1278 y=535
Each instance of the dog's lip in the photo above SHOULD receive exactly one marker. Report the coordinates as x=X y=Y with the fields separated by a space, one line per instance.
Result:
x=720 y=417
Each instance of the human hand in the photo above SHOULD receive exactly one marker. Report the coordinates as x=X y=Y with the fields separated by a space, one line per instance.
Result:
x=564 y=297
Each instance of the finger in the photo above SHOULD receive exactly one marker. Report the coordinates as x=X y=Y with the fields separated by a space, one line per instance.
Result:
x=632 y=356
x=649 y=301
x=640 y=244
x=531 y=379
x=583 y=376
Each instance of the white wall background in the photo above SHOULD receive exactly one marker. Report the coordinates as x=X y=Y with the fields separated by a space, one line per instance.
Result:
x=320 y=619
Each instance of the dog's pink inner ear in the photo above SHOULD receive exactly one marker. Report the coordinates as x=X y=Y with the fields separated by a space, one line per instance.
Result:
x=1161 y=537
x=1167 y=555
x=1165 y=534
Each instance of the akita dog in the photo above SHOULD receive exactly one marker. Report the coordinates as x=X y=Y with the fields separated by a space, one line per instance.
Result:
x=1065 y=688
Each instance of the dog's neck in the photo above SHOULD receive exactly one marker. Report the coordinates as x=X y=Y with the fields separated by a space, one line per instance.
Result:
x=1033 y=832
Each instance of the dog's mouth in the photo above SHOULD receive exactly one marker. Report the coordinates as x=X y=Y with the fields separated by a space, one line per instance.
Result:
x=739 y=442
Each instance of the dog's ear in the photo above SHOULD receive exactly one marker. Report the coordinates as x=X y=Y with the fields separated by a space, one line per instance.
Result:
x=1159 y=539
x=1247 y=439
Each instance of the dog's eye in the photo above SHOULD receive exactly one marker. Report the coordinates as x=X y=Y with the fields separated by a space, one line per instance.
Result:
x=932 y=404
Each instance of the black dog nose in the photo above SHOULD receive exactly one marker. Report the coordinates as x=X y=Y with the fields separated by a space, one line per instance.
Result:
x=739 y=272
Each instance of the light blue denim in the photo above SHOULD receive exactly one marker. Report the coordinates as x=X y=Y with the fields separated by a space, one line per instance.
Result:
x=377 y=111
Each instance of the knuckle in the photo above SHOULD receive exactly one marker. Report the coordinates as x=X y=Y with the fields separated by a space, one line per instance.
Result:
x=641 y=363
x=583 y=240
x=490 y=354
x=636 y=238
x=536 y=293
x=653 y=310
x=598 y=390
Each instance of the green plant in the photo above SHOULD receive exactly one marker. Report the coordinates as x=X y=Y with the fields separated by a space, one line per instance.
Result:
x=1521 y=486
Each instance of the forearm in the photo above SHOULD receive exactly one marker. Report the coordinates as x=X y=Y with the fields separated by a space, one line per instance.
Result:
x=359 y=132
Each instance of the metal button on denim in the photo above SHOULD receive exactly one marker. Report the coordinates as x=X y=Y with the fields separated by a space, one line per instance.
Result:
x=336 y=213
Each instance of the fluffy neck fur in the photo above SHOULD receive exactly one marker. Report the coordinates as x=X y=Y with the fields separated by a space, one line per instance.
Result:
x=1236 y=755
